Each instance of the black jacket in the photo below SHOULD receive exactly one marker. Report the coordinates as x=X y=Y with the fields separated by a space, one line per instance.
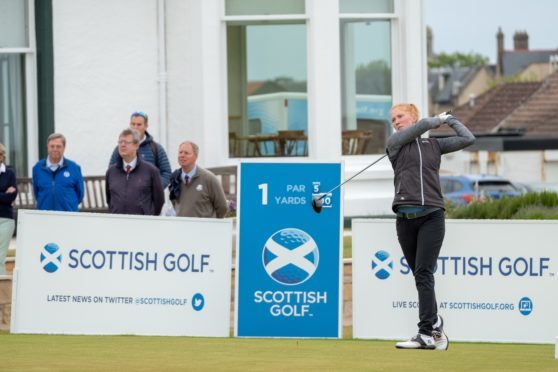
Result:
x=416 y=161
x=140 y=192
x=7 y=179
x=416 y=174
x=174 y=184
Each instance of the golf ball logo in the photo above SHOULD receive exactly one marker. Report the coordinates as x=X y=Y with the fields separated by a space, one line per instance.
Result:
x=382 y=265
x=525 y=306
x=51 y=257
x=290 y=256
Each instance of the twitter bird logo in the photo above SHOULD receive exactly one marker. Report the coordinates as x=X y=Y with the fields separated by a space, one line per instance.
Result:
x=198 y=302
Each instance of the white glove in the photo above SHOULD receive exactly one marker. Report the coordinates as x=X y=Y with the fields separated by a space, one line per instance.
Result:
x=444 y=116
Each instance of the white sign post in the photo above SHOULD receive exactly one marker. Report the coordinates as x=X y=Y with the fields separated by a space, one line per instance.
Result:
x=81 y=273
x=495 y=281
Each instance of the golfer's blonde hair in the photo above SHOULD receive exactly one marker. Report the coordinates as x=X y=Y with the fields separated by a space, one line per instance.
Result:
x=409 y=108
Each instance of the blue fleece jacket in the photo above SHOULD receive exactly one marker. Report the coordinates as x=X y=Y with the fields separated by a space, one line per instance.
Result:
x=61 y=190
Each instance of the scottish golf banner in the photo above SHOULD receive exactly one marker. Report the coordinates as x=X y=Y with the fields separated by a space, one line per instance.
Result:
x=496 y=281
x=85 y=273
x=289 y=258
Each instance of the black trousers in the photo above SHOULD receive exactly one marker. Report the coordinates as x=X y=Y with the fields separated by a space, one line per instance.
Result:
x=421 y=240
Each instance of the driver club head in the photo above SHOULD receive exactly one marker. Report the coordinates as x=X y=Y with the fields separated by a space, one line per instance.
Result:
x=317 y=204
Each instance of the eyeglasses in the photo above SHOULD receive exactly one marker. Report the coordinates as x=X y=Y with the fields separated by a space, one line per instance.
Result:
x=127 y=143
x=139 y=113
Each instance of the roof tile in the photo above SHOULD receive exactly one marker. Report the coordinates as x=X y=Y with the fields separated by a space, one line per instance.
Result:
x=492 y=107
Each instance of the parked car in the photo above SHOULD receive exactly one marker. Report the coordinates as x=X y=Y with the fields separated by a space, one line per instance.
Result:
x=526 y=187
x=462 y=190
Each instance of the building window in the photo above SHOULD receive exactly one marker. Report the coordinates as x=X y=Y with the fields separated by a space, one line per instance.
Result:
x=263 y=7
x=14 y=42
x=267 y=90
x=366 y=72
x=365 y=6
x=12 y=113
x=13 y=24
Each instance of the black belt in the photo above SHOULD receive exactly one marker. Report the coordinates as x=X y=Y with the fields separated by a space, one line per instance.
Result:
x=414 y=215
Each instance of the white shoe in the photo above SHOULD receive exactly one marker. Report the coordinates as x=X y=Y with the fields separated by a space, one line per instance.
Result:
x=440 y=337
x=420 y=341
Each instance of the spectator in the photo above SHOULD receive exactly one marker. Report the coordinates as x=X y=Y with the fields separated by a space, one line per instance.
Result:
x=8 y=193
x=133 y=186
x=194 y=191
x=149 y=150
x=57 y=181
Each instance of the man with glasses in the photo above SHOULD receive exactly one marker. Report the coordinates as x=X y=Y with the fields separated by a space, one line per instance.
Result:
x=57 y=181
x=149 y=150
x=133 y=186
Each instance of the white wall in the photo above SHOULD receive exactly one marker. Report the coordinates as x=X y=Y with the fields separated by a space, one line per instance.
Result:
x=183 y=66
x=105 y=67
x=521 y=166
x=517 y=166
x=456 y=163
x=530 y=166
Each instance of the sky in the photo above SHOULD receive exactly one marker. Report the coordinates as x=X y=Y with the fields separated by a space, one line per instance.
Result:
x=458 y=25
x=471 y=25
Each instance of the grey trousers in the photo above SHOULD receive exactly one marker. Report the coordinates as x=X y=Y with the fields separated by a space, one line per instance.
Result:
x=7 y=226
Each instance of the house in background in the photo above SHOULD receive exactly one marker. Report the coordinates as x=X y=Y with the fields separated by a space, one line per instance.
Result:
x=449 y=87
x=521 y=61
x=516 y=125
x=453 y=86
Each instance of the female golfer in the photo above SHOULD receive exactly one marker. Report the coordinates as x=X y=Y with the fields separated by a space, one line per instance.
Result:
x=419 y=206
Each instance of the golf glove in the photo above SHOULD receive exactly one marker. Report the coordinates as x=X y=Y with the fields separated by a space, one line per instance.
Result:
x=444 y=116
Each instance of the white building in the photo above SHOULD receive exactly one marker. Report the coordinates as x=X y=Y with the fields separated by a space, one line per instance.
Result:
x=226 y=74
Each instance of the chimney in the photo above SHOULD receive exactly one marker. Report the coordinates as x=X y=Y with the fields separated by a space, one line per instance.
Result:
x=471 y=100
x=443 y=78
x=553 y=63
x=521 y=40
x=500 y=52
x=441 y=82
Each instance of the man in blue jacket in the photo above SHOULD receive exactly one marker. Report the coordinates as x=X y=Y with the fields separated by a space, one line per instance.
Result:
x=57 y=181
x=149 y=150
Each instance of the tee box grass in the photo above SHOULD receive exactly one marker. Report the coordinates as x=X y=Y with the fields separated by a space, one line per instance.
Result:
x=142 y=353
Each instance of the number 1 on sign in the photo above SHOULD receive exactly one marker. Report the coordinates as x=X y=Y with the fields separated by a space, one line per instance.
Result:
x=263 y=187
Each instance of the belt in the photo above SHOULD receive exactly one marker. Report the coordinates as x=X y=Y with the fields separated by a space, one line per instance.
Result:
x=414 y=215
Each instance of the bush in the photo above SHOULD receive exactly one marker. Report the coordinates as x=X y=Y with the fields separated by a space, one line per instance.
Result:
x=532 y=206
x=537 y=213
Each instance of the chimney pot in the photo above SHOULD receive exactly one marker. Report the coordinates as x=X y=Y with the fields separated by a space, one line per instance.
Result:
x=521 y=40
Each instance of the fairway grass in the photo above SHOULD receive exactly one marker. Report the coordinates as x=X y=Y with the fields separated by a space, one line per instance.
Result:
x=141 y=353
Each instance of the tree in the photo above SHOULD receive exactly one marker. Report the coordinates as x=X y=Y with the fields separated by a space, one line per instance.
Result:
x=373 y=78
x=457 y=59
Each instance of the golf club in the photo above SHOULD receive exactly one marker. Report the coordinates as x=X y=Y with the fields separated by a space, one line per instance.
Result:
x=317 y=203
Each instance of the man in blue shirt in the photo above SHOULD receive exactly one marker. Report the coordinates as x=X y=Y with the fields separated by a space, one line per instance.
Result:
x=57 y=181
